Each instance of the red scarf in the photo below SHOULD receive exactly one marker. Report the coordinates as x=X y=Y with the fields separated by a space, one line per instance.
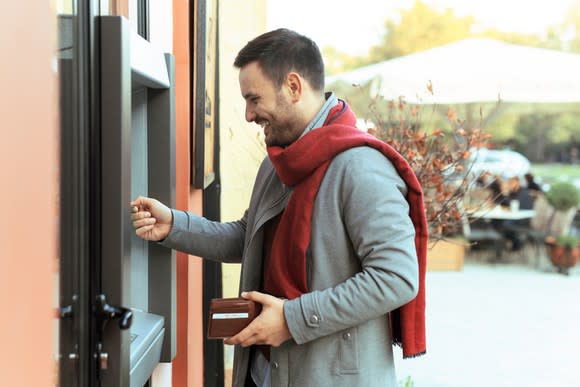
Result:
x=302 y=165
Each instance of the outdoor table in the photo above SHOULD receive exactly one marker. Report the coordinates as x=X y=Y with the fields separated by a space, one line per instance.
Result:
x=498 y=215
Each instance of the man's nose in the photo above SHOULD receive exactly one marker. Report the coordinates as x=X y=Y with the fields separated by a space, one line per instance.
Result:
x=250 y=114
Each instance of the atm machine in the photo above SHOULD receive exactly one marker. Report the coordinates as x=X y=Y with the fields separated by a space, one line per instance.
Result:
x=135 y=307
x=118 y=306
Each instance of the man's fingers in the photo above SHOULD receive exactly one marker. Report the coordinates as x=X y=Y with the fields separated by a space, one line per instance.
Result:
x=142 y=231
x=138 y=202
x=140 y=215
x=245 y=338
x=135 y=209
x=144 y=222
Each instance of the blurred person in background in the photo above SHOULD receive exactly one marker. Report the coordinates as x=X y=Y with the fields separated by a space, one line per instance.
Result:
x=519 y=198
x=533 y=187
x=520 y=194
x=498 y=189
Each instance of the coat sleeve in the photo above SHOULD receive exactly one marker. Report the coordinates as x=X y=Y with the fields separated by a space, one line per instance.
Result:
x=375 y=215
x=192 y=234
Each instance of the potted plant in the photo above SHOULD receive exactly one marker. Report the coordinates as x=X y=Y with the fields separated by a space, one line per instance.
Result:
x=564 y=251
x=563 y=248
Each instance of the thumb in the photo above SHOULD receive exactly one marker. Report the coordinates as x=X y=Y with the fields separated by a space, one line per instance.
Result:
x=262 y=298
x=140 y=202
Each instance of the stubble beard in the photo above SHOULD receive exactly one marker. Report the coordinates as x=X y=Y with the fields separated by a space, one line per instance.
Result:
x=283 y=129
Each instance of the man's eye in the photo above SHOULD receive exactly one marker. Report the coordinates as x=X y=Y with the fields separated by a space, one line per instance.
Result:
x=255 y=100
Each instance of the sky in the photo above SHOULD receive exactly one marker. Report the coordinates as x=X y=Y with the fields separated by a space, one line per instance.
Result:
x=354 y=26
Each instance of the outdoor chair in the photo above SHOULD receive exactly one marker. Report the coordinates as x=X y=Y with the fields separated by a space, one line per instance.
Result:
x=575 y=227
x=546 y=222
x=481 y=235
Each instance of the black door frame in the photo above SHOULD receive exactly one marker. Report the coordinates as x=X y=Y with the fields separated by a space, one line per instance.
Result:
x=79 y=96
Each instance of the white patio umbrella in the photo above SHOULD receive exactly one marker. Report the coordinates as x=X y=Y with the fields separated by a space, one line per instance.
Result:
x=474 y=70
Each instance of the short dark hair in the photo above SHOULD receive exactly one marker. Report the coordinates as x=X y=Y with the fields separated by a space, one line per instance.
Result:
x=280 y=51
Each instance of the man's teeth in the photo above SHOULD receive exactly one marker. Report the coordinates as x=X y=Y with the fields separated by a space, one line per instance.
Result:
x=263 y=124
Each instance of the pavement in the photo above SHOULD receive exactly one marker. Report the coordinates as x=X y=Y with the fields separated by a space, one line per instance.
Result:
x=499 y=324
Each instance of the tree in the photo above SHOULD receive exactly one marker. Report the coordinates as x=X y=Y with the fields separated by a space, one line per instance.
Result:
x=566 y=36
x=571 y=29
x=336 y=61
x=420 y=28
x=440 y=158
x=533 y=134
x=551 y=134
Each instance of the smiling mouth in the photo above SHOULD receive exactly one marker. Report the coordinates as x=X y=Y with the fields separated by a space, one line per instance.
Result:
x=263 y=123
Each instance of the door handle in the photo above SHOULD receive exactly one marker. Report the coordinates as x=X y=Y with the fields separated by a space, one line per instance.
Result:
x=105 y=311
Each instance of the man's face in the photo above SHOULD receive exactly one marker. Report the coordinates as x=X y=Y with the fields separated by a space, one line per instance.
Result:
x=270 y=108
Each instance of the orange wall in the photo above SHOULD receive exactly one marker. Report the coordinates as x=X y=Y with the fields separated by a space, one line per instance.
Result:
x=29 y=193
x=195 y=308
x=188 y=363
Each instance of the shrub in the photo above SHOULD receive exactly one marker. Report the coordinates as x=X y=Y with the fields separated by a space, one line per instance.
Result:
x=439 y=158
x=563 y=196
x=568 y=241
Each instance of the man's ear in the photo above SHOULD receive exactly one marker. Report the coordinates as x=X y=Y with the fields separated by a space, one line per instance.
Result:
x=294 y=84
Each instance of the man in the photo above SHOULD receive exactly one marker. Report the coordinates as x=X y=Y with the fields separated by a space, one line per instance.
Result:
x=519 y=194
x=519 y=198
x=333 y=240
x=534 y=189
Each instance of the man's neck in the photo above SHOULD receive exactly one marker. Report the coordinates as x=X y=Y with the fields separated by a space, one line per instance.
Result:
x=312 y=106
x=320 y=115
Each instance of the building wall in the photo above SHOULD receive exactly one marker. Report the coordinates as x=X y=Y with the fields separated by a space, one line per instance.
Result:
x=29 y=195
x=242 y=148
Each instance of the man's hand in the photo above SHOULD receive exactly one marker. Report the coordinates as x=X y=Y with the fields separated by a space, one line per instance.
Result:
x=268 y=328
x=151 y=218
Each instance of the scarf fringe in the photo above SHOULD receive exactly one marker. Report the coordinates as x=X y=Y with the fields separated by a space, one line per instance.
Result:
x=415 y=355
x=399 y=344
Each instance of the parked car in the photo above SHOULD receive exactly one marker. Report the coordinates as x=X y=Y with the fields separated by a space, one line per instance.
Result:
x=502 y=162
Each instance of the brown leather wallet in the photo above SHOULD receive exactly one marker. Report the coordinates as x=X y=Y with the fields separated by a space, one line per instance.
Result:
x=228 y=316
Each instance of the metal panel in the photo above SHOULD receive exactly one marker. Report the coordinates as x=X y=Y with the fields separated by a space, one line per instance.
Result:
x=139 y=186
x=148 y=66
x=138 y=143
x=116 y=190
x=146 y=340
x=162 y=276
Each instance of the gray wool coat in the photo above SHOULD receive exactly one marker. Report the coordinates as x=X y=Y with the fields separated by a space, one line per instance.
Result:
x=361 y=265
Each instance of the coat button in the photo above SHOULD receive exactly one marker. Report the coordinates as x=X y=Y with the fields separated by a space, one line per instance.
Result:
x=275 y=365
x=346 y=336
x=314 y=319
